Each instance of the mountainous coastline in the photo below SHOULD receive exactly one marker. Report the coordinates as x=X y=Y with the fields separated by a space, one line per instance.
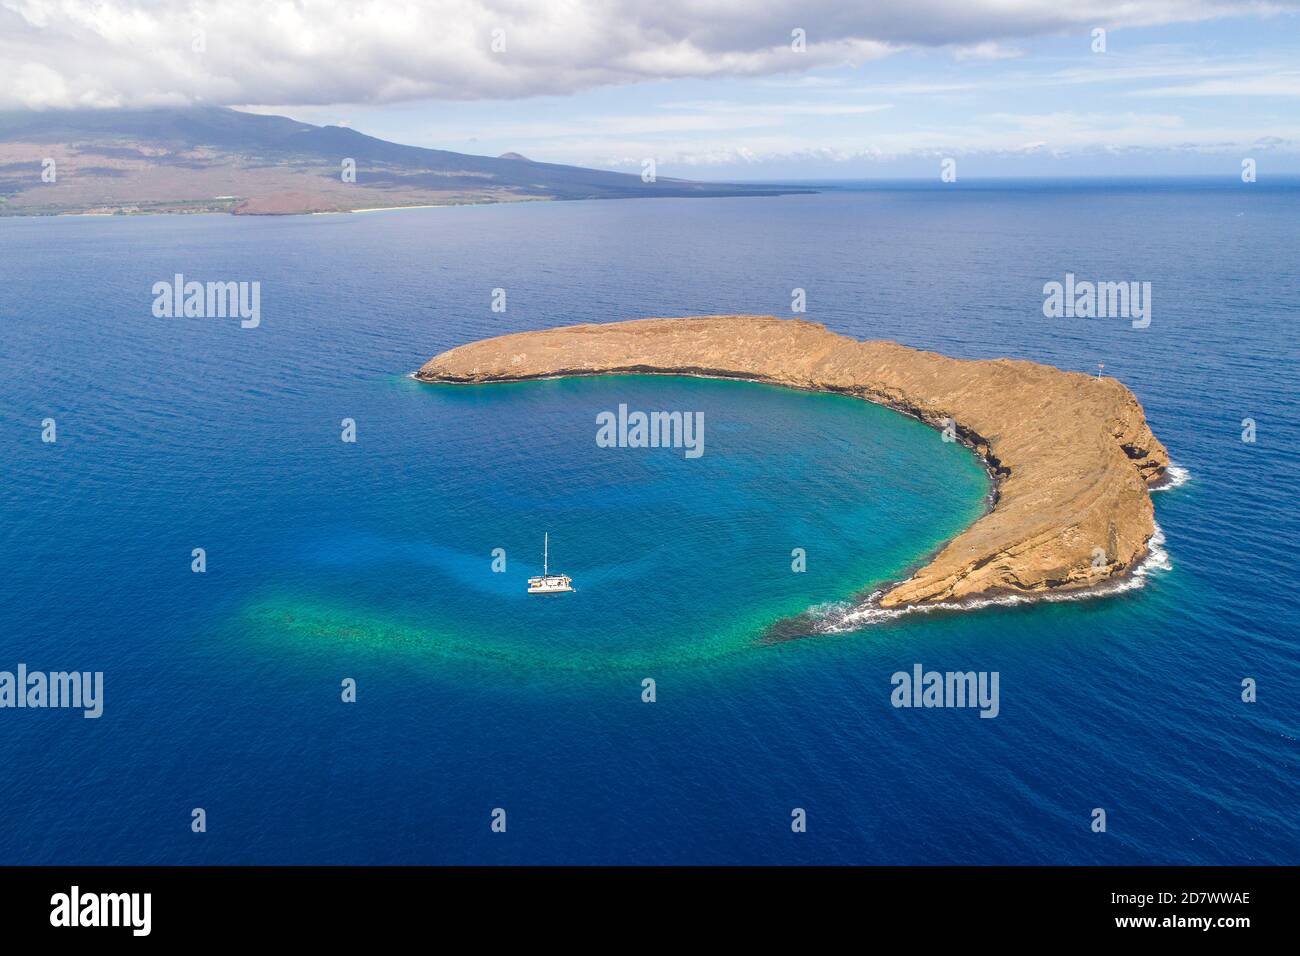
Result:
x=213 y=159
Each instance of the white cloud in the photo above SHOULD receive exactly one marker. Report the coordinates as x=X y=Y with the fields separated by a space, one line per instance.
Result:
x=987 y=51
x=1277 y=84
x=1057 y=134
x=142 y=52
x=780 y=110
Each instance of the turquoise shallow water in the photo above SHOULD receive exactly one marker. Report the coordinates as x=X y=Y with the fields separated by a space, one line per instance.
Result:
x=373 y=560
x=676 y=559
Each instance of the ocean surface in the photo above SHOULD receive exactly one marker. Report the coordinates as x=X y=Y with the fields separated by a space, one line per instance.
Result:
x=372 y=560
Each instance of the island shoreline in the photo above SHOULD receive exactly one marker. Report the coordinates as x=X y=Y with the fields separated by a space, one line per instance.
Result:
x=1040 y=552
x=787 y=629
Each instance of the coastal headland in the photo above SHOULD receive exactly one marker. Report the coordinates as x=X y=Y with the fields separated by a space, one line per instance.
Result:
x=1071 y=455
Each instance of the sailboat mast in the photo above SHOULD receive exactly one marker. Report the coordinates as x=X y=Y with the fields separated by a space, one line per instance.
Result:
x=546 y=542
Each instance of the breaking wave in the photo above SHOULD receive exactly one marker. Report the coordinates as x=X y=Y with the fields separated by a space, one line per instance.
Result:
x=841 y=619
x=1175 y=477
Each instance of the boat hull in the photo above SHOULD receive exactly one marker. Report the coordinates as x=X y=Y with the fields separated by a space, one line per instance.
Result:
x=550 y=584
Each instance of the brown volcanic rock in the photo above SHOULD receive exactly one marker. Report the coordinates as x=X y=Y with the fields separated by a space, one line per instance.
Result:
x=1071 y=455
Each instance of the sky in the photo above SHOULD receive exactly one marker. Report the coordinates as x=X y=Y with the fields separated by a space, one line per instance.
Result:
x=710 y=89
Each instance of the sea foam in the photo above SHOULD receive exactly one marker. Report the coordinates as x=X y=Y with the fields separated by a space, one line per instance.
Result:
x=843 y=618
x=1175 y=477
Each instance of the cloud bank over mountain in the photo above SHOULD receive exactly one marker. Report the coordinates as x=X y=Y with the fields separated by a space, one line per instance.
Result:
x=73 y=53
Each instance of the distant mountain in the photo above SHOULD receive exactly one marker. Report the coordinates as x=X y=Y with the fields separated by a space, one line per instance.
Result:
x=207 y=159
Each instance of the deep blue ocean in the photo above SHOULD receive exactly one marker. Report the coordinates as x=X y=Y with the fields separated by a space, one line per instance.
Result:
x=372 y=560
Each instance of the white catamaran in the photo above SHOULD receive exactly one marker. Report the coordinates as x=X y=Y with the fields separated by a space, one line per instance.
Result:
x=549 y=583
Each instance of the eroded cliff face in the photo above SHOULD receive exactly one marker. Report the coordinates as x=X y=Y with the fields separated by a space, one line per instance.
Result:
x=1072 y=456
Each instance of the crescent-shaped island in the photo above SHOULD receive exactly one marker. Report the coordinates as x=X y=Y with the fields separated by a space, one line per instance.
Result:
x=1071 y=456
